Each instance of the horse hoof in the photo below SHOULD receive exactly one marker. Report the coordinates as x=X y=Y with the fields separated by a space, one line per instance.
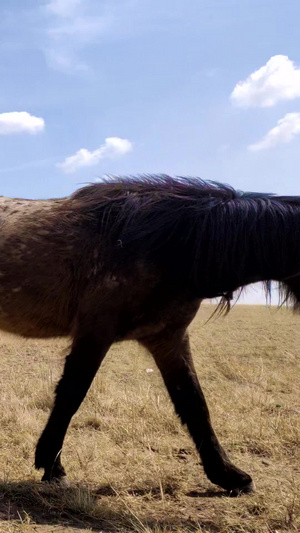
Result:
x=54 y=475
x=62 y=481
x=246 y=489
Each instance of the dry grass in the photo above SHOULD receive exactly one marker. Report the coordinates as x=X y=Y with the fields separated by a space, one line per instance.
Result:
x=132 y=466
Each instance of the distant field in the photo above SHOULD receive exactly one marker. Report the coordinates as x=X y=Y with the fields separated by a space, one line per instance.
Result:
x=132 y=467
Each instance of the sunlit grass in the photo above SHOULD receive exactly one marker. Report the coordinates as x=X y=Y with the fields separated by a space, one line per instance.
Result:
x=132 y=467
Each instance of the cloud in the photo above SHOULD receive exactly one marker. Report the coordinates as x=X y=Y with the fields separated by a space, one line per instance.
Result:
x=63 y=8
x=72 y=25
x=64 y=61
x=112 y=148
x=20 y=122
x=286 y=129
x=278 y=80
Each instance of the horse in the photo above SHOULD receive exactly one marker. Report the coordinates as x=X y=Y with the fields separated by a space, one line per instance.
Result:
x=133 y=258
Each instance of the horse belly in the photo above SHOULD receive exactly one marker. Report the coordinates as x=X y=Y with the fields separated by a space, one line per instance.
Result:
x=176 y=313
x=31 y=326
x=34 y=311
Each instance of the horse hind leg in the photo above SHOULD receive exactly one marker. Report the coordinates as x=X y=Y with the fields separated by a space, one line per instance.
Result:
x=173 y=358
x=80 y=368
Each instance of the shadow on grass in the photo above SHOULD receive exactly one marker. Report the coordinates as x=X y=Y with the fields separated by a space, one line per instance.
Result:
x=80 y=507
x=155 y=492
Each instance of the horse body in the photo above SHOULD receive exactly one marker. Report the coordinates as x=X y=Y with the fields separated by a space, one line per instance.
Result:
x=132 y=259
x=44 y=282
x=35 y=281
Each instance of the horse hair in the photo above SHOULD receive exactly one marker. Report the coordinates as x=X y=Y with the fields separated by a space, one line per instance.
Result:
x=201 y=226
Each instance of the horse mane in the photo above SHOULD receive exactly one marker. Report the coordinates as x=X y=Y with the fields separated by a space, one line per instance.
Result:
x=203 y=224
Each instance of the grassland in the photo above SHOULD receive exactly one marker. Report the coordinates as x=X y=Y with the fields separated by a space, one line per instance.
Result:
x=131 y=466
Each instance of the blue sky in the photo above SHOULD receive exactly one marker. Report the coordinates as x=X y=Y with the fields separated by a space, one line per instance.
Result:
x=149 y=86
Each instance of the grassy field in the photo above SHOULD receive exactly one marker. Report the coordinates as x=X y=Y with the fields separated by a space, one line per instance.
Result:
x=131 y=466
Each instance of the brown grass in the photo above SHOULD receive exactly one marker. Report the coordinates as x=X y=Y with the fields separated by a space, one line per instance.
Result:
x=131 y=465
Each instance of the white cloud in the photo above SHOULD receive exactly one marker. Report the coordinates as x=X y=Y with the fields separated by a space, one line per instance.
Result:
x=278 y=80
x=82 y=28
x=73 y=25
x=63 y=8
x=64 y=61
x=112 y=148
x=286 y=129
x=20 y=122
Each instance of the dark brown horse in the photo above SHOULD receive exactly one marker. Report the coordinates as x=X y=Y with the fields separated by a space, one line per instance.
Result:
x=132 y=258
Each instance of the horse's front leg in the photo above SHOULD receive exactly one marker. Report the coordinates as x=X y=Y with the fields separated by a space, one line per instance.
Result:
x=80 y=368
x=173 y=358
